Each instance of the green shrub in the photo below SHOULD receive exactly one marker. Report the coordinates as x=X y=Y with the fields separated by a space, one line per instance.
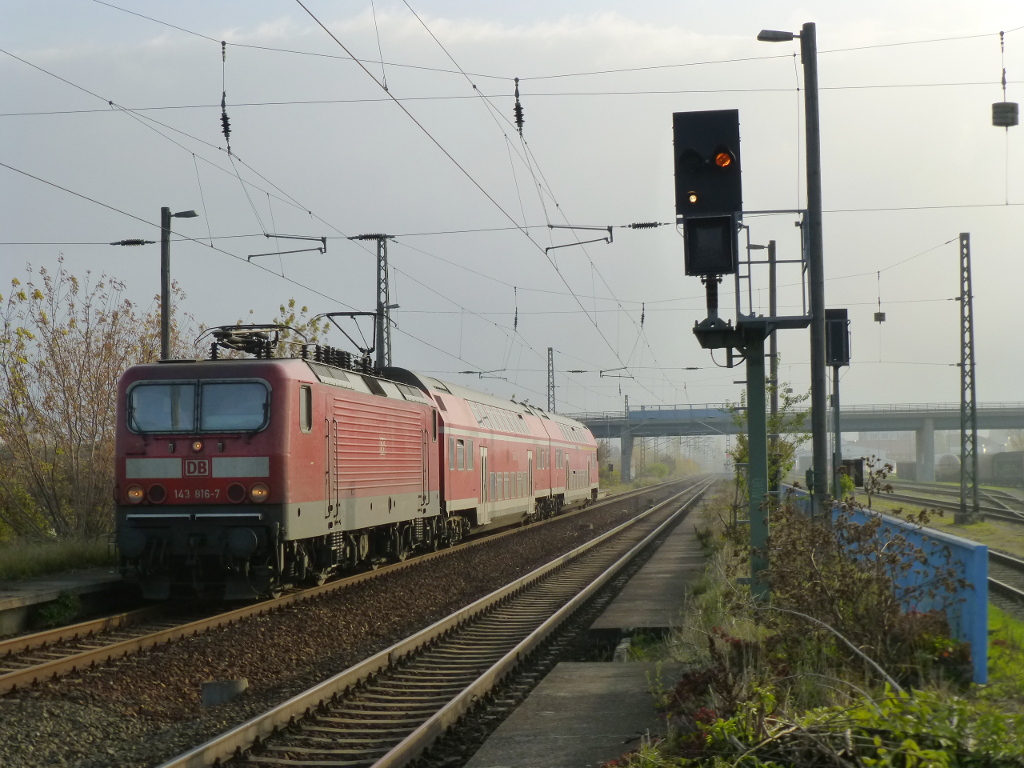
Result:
x=57 y=612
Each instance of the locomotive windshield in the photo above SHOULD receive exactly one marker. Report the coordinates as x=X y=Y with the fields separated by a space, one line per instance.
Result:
x=232 y=406
x=163 y=407
x=221 y=406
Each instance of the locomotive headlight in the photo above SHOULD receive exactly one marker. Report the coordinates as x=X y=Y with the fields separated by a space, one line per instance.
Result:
x=135 y=494
x=259 y=493
x=197 y=446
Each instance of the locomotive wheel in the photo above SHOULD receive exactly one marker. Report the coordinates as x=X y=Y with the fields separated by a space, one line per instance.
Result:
x=403 y=543
x=431 y=541
x=363 y=550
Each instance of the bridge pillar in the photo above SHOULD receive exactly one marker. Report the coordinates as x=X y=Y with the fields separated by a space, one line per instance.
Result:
x=626 y=441
x=924 y=439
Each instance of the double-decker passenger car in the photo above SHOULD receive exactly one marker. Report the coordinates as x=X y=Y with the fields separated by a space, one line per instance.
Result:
x=235 y=477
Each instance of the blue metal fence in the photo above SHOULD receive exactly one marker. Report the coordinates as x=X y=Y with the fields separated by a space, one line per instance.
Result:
x=966 y=610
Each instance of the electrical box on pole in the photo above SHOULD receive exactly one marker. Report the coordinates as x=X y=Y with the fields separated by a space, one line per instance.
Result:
x=837 y=337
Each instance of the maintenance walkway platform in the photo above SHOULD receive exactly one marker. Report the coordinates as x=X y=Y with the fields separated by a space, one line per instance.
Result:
x=584 y=714
x=19 y=599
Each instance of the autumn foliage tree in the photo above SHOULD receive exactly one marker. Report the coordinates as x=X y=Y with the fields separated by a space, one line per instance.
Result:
x=788 y=424
x=63 y=344
x=299 y=327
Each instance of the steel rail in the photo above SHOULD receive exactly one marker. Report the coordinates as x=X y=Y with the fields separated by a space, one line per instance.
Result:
x=253 y=732
x=81 y=660
x=1005 y=590
x=999 y=558
x=999 y=586
x=994 y=495
x=77 y=631
x=992 y=512
x=420 y=739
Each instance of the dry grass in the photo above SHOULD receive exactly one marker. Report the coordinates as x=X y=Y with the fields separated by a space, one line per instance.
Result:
x=995 y=534
x=22 y=560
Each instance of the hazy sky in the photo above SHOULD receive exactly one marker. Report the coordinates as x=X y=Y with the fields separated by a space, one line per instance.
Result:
x=125 y=111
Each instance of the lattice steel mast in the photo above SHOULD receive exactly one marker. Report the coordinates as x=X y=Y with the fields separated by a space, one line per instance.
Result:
x=968 y=392
x=551 y=380
x=382 y=320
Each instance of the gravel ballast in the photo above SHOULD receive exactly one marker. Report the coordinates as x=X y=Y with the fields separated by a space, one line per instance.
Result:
x=145 y=709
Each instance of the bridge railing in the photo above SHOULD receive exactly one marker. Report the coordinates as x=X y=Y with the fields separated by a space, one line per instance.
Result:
x=638 y=412
x=704 y=409
x=929 y=407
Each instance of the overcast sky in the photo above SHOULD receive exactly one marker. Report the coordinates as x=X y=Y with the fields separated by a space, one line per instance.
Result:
x=123 y=112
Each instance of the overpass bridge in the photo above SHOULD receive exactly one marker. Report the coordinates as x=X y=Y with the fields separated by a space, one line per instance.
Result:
x=716 y=419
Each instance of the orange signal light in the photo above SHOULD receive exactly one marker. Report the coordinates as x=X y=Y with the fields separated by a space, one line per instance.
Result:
x=723 y=159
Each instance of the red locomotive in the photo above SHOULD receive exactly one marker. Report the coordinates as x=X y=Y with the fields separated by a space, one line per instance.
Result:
x=236 y=477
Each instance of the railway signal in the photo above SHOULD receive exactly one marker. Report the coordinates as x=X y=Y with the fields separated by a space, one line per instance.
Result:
x=709 y=193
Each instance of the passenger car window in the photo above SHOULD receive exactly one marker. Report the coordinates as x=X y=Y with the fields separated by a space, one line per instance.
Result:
x=305 y=408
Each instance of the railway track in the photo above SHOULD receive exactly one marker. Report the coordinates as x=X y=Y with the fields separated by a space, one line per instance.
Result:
x=1006 y=577
x=56 y=652
x=996 y=513
x=391 y=707
x=995 y=499
x=32 y=659
x=1006 y=573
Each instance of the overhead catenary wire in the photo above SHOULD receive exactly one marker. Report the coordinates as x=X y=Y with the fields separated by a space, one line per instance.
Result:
x=376 y=28
x=382 y=58
x=549 y=76
x=233 y=157
x=593 y=292
x=463 y=97
x=296 y=283
x=466 y=173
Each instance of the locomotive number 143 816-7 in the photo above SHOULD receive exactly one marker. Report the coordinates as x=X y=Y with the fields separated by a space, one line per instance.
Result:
x=197 y=493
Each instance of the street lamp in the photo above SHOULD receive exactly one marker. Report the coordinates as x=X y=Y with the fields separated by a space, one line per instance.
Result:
x=165 y=276
x=165 y=273
x=815 y=258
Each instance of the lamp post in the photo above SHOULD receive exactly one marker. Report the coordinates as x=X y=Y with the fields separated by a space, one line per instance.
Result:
x=165 y=276
x=165 y=273
x=815 y=257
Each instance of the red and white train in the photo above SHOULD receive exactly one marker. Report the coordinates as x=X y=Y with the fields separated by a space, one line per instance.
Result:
x=236 y=477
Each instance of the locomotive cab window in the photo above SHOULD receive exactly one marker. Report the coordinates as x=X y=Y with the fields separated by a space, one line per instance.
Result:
x=233 y=406
x=162 y=407
x=209 y=406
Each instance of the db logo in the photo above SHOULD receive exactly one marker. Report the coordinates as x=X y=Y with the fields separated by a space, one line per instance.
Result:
x=383 y=446
x=197 y=467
